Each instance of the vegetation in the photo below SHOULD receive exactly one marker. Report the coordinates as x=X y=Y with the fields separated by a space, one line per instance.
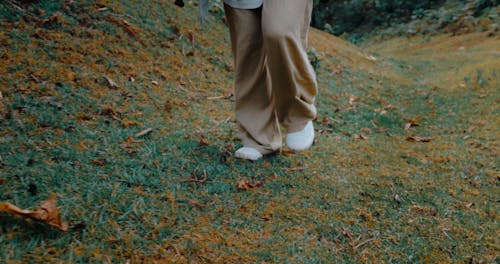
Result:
x=362 y=19
x=404 y=168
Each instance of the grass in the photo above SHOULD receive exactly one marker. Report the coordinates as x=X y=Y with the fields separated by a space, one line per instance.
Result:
x=363 y=194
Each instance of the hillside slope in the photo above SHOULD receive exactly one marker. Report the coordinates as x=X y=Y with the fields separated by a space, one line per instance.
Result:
x=404 y=168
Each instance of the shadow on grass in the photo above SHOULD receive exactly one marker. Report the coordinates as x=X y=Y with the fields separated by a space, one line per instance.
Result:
x=27 y=229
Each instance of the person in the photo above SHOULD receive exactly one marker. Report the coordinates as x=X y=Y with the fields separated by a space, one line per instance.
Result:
x=274 y=80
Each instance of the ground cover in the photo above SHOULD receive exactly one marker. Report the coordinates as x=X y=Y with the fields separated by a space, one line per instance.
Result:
x=404 y=167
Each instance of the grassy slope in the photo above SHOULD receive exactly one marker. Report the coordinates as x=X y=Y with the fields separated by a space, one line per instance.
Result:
x=378 y=199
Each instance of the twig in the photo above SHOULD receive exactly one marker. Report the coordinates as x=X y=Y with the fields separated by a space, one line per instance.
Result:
x=220 y=97
x=156 y=104
x=363 y=243
x=293 y=169
x=177 y=252
x=197 y=179
x=144 y=132
x=12 y=3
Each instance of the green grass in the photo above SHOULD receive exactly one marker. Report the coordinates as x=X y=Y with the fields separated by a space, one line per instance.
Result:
x=381 y=199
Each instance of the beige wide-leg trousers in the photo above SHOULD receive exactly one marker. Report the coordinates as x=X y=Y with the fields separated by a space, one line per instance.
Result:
x=274 y=80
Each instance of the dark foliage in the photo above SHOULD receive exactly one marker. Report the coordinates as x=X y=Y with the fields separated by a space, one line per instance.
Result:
x=359 y=16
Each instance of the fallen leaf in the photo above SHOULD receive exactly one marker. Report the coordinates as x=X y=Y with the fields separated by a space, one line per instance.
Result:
x=393 y=240
x=226 y=157
x=2 y=181
x=84 y=117
x=110 y=82
x=419 y=139
x=385 y=109
x=110 y=112
x=196 y=203
x=130 y=140
x=360 y=137
x=203 y=142
x=325 y=121
x=129 y=123
x=245 y=185
x=99 y=162
x=411 y=123
x=47 y=213
x=390 y=107
x=366 y=131
x=155 y=83
x=287 y=152
x=131 y=30
x=424 y=210
x=352 y=99
x=474 y=192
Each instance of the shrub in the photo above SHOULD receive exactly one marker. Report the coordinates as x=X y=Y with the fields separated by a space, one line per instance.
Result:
x=358 y=17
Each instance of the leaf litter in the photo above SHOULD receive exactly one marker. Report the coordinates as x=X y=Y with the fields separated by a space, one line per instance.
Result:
x=47 y=213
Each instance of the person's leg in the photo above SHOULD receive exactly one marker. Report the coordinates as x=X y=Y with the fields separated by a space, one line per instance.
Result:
x=255 y=114
x=285 y=25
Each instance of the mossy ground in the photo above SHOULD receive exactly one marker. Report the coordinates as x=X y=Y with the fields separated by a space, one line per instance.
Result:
x=364 y=193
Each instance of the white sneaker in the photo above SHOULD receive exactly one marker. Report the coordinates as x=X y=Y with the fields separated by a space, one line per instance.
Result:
x=248 y=153
x=301 y=140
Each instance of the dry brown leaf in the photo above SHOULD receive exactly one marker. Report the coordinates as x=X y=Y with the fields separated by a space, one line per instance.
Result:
x=424 y=210
x=393 y=240
x=110 y=82
x=360 y=137
x=371 y=57
x=352 y=99
x=2 y=181
x=245 y=185
x=47 y=213
x=287 y=152
x=99 y=162
x=129 y=123
x=226 y=157
x=130 y=140
x=196 y=203
x=366 y=131
x=131 y=30
x=385 y=109
x=325 y=121
x=419 y=139
x=411 y=123
x=203 y=142
x=110 y=112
